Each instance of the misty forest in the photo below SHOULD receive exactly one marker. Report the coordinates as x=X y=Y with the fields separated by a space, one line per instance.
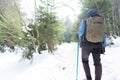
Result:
x=45 y=29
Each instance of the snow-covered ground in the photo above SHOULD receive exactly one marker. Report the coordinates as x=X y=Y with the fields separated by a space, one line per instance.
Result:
x=60 y=66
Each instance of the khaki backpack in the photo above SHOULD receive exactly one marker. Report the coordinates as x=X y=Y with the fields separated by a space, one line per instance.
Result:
x=95 y=29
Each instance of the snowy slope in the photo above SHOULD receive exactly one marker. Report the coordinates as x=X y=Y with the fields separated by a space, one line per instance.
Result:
x=60 y=66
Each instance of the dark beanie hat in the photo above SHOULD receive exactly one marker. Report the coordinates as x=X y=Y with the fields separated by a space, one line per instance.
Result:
x=91 y=12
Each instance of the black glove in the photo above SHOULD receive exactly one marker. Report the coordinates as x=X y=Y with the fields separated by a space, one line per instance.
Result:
x=103 y=50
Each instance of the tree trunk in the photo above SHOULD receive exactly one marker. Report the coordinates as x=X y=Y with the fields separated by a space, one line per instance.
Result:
x=116 y=16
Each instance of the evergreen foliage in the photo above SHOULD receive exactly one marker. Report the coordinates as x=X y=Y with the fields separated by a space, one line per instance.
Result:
x=42 y=34
x=45 y=33
x=10 y=27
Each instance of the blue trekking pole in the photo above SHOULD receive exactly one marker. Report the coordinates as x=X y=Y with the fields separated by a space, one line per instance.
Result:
x=77 y=59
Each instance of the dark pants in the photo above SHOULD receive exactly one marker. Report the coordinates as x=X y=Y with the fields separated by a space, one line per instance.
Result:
x=86 y=50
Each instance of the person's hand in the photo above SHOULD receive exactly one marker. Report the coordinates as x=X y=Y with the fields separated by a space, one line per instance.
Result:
x=103 y=50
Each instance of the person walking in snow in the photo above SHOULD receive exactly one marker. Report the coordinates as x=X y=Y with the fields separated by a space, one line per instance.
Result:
x=93 y=40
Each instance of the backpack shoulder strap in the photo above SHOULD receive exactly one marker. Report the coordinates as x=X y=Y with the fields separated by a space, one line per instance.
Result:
x=83 y=39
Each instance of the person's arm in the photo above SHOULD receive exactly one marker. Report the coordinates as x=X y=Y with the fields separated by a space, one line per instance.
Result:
x=104 y=40
x=104 y=44
x=81 y=29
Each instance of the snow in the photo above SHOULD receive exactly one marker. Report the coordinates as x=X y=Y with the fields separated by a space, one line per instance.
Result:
x=60 y=66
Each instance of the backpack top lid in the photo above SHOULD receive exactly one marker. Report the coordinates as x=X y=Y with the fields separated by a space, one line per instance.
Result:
x=91 y=12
